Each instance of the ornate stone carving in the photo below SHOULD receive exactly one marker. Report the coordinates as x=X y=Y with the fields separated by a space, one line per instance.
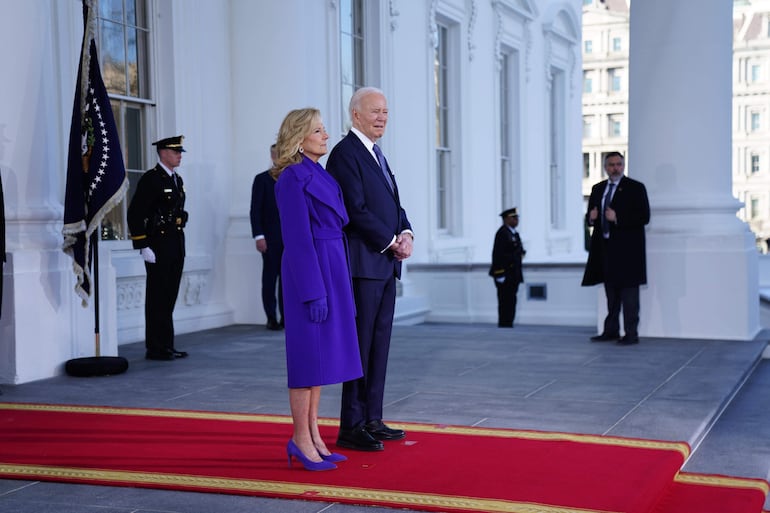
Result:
x=130 y=293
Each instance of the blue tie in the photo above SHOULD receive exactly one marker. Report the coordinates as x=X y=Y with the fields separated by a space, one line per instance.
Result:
x=383 y=165
x=607 y=200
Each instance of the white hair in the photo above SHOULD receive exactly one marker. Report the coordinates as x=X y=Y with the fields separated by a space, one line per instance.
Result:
x=355 y=100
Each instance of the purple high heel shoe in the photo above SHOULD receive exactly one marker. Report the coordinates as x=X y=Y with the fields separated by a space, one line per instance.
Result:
x=293 y=450
x=334 y=457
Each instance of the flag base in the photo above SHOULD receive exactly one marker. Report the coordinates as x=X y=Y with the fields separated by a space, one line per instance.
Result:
x=96 y=366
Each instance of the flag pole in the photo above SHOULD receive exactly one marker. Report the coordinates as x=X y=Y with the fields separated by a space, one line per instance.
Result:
x=95 y=244
x=96 y=183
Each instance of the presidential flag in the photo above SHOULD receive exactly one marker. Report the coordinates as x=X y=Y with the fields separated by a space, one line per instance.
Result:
x=96 y=176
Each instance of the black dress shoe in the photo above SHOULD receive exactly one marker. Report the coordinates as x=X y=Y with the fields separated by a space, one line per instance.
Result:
x=358 y=439
x=272 y=324
x=604 y=338
x=179 y=354
x=159 y=355
x=379 y=431
x=628 y=340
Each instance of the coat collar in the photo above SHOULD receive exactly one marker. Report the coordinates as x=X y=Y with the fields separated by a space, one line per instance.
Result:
x=320 y=185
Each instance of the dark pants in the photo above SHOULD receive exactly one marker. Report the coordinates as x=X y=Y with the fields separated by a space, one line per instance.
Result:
x=506 y=302
x=362 y=398
x=627 y=299
x=163 y=279
x=271 y=276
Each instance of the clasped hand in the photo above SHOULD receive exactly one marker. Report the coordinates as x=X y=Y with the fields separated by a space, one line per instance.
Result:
x=609 y=214
x=318 y=309
x=402 y=248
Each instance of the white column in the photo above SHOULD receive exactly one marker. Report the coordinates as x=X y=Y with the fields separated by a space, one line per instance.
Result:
x=702 y=261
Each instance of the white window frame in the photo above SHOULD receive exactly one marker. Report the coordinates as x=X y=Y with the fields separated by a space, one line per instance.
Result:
x=447 y=125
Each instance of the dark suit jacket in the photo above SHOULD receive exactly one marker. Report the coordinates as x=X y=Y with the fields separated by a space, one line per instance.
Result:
x=264 y=210
x=620 y=260
x=506 y=256
x=158 y=199
x=374 y=209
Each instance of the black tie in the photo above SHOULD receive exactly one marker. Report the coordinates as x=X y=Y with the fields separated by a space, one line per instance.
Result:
x=383 y=165
x=607 y=200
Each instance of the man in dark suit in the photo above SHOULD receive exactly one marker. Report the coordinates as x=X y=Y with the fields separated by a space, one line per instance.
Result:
x=156 y=220
x=507 y=252
x=380 y=238
x=618 y=210
x=266 y=230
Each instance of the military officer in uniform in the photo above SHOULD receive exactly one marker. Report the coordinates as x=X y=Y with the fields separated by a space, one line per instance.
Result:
x=156 y=220
x=507 y=253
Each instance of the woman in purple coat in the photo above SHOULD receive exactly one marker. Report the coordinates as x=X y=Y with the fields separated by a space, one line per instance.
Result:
x=321 y=341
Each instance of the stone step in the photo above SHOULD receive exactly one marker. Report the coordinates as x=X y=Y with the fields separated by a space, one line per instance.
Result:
x=738 y=442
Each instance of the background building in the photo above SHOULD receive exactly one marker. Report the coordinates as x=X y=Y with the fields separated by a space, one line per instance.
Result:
x=605 y=100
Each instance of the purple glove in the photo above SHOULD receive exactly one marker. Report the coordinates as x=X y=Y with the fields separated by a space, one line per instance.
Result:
x=318 y=309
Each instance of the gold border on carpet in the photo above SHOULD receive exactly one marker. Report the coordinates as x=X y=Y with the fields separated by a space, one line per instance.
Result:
x=681 y=447
x=285 y=490
x=723 y=481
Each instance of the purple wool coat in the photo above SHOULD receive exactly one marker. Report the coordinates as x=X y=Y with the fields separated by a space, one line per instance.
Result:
x=315 y=265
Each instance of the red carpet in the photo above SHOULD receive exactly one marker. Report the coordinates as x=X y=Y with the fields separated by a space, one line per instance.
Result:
x=437 y=468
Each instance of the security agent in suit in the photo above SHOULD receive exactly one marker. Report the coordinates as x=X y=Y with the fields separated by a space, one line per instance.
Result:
x=507 y=253
x=380 y=237
x=266 y=230
x=618 y=210
x=156 y=220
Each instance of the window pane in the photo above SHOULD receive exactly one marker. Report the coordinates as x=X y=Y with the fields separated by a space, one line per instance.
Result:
x=131 y=12
x=133 y=138
x=132 y=63
x=142 y=71
x=441 y=188
x=346 y=17
x=133 y=180
x=346 y=59
x=140 y=12
x=113 y=57
x=358 y=60
x=504 y=121
x=111 y=10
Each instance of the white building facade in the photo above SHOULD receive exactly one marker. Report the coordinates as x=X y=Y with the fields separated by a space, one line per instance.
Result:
x=484 y=98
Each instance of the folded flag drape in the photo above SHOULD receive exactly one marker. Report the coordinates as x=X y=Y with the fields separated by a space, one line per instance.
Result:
x=96 y=174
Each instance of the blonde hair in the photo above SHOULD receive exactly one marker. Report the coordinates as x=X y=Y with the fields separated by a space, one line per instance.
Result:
x=297 y=125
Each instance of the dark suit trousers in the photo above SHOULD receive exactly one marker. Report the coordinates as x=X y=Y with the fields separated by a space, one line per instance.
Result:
x=362 y=398
x=163 y=279
x=619 y=297
x=271 y=276
x=506 y=302
x=626 y=298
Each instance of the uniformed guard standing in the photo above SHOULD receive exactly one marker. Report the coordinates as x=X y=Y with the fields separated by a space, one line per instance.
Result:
x=156 y=220
x=506 y=267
